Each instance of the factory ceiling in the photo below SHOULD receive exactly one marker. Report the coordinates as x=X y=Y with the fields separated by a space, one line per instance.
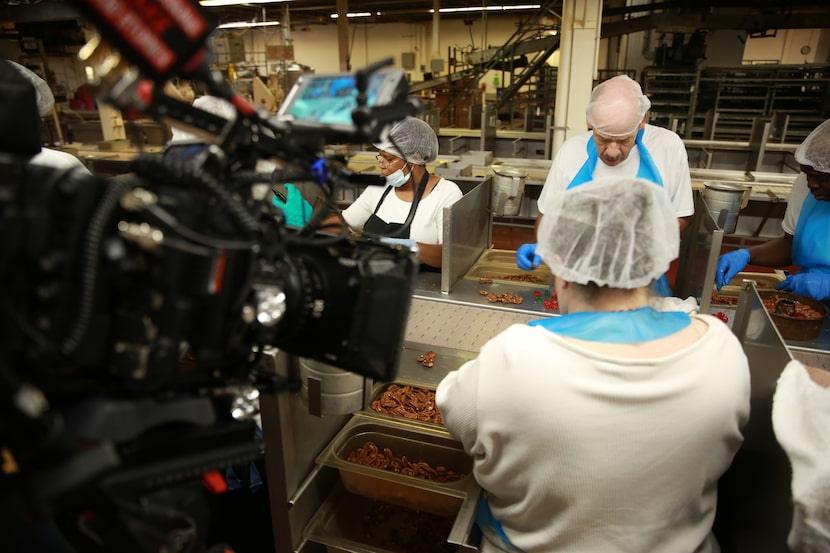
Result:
x=618 y=17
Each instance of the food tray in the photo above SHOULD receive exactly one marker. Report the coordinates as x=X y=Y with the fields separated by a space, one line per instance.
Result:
x=729 y=293
x=500 y=266
x=381 y=388
x=352 y=523
x=792 y=328
x=417 y=444
x=507 y=257
x=538 y=277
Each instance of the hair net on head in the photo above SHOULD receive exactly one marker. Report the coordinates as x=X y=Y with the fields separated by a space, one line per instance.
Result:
x=617 y=232
x=45 y=98
x=212 y=104
x=815 y=150
x=617 y=106
x=411 y=139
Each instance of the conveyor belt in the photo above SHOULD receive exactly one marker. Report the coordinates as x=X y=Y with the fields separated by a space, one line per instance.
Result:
x=457 y=326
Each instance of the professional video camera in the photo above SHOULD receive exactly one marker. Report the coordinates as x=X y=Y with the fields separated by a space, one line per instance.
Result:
x=136 y=309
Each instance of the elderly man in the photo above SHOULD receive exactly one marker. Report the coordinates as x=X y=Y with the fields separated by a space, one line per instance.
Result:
x=619 y=143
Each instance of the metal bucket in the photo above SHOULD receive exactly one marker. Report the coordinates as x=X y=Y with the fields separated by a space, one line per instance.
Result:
x=725 y=200
x=507 y=191
x=334 y=391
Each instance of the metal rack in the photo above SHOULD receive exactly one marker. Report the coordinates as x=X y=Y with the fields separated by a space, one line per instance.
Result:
x=723 y=103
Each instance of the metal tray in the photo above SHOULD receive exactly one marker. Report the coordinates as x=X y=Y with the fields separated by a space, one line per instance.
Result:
x=352 y=523
x=539 y=277
x=500 y=266
x=763 y=281
x=381 y=388
x=417 y=444
x=411 y=371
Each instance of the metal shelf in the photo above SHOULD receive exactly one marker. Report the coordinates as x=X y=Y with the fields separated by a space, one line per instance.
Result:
x=723 y=101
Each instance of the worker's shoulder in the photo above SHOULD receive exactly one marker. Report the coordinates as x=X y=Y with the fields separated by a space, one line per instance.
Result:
x=449 y=188
x=57 y=159
x=657 y=133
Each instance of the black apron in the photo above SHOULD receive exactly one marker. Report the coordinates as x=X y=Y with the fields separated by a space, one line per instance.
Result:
x=375 y=226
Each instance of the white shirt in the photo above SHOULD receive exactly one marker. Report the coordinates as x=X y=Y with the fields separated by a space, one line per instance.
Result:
x=794 y=203
x=583 y=452
x=801 y=421
x=57 y=159
x=665 y=147
x=427 y=225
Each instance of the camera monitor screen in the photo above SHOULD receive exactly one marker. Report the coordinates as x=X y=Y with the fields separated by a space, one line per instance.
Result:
x=329 y=99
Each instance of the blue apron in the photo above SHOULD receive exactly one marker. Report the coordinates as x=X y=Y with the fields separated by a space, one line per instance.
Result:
x=617 y=327
x=647 y=170
x=812 y=231
x=492 y=528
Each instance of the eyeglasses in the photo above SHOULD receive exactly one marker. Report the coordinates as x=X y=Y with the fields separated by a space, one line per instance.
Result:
x=387 y=161
x=621 y=141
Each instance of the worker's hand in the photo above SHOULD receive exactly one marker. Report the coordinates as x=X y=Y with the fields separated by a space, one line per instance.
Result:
x=729 y=265
x=526 y=257
x=401 y=241
x=813 y=285
x=296 y=209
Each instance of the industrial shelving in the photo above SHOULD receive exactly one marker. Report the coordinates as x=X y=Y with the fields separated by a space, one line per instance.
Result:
x=722 y=103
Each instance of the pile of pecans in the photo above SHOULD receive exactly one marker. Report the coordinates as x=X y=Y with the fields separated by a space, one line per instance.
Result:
x=398 y=528
x=371 y=456
x=504 y=297
x=524 y=277
x=409 y=402
x=427 y=359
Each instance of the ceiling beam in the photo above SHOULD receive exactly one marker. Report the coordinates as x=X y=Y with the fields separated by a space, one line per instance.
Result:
x=39 y=13
x=682 y=23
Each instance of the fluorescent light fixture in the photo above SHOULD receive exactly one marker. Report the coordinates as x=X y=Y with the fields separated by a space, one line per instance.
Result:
x=488 y=8
x=355 y=14
x=216 y=3
x=247 y=24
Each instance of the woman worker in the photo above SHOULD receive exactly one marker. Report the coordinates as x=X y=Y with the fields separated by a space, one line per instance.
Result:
x=411 y=205
x=606 y=428
x=806 y=227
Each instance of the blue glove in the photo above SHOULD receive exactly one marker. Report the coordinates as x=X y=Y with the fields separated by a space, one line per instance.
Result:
x=813 y=285
x=526 y=257
x=296 y=209
x=729 y=265
x=402 y=241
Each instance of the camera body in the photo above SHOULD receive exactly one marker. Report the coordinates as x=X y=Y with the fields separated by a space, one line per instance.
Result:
x=114 y=279
x=136 y=309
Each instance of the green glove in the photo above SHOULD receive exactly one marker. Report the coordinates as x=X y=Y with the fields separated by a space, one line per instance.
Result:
x=296 y=209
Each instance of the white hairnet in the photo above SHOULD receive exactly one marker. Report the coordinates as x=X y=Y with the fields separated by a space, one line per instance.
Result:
x=45 y=98
x=411 y=139
x=815 y=150
x=617 y=232
x=212 y=104
x=617 y=106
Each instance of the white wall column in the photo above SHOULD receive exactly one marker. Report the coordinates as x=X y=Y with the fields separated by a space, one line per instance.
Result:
x=579 y=47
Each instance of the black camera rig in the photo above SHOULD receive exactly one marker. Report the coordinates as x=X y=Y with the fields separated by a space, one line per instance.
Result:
x=136 y=308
